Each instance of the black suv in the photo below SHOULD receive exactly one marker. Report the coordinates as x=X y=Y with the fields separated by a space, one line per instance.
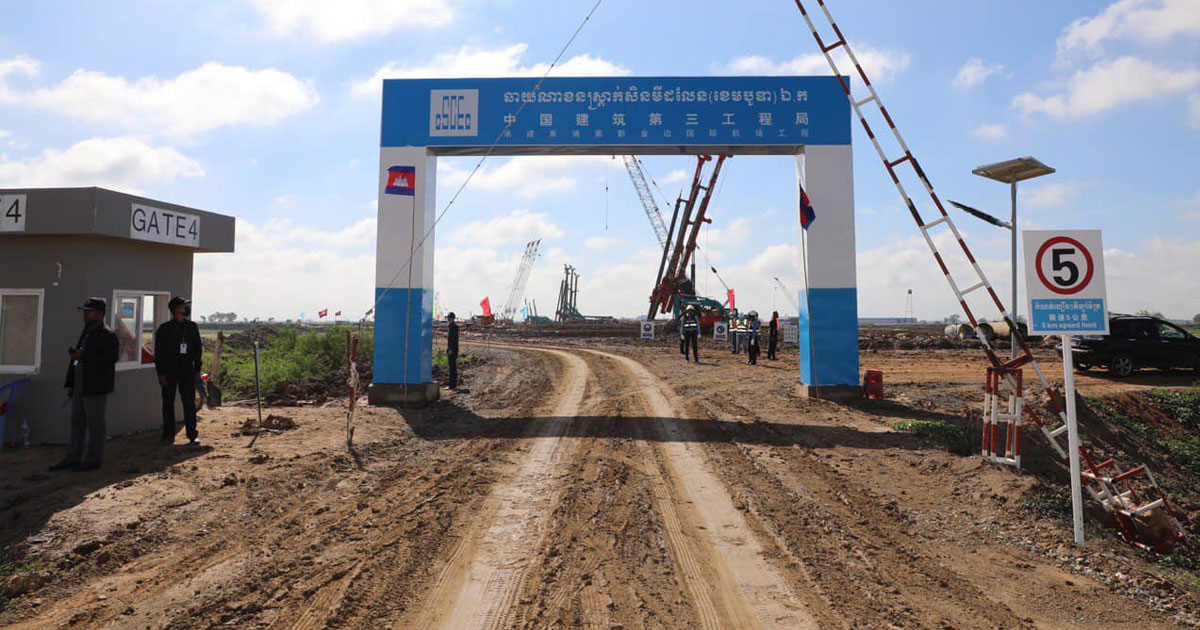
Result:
x=1136 y=342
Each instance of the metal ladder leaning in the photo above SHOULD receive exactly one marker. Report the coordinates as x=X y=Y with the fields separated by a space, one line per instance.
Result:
x=1104 y=481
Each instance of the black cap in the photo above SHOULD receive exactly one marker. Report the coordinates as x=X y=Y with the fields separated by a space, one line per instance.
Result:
x=177 y=301
x=94 y=304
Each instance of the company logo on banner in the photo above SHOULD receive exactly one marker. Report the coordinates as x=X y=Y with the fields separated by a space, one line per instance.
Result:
x=401 y=180
x=454 y=112
x=1064 y=277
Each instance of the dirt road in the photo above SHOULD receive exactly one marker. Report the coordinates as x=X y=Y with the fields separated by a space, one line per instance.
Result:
x=564 y=487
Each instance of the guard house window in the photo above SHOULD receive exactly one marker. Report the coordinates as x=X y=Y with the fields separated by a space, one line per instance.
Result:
x=20 y=330
x=135 y=317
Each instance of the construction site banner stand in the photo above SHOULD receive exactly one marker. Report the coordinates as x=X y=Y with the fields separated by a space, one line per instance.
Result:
x=804 y=116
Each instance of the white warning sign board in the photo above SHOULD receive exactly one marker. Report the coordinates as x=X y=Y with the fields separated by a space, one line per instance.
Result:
x=721 y=331
x=1064 y=282
x=647 y=330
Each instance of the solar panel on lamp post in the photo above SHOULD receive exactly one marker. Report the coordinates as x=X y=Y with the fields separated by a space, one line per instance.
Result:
x=1010 y=172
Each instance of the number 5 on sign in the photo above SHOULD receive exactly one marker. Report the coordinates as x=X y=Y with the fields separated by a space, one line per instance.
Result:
x=12 y=213
x=1064 y=281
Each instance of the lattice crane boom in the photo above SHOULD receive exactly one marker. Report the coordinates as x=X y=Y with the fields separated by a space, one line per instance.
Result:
x=518 y=287
x=791 y=297
x=642 y=187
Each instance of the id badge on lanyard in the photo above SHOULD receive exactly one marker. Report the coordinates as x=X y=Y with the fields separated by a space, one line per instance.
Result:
x=183 y=348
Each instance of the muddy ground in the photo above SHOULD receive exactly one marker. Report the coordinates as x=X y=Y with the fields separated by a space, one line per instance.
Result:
x=584 y=483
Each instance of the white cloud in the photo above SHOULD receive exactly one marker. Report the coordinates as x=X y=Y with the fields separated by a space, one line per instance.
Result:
x=529 y=177
x=1108 y=84
x=1146 y=21
x=279 y=252
x=718 y=241
x=483 y=62
x=1051 y=195
x=209 y=97
x=346 y=20
x=991 y=131
x=1160 y=276
x=879 y=64
x=1194 y=111
x=675 y=176
x=974 y=72
x=601 y=243
x=122 y=163
x=516 y=227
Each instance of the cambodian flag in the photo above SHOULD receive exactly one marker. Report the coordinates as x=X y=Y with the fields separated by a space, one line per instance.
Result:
x=402 y=180
x=807 y=214
x=322 y=313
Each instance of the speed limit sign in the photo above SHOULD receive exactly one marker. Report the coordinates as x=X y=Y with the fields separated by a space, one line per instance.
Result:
x=1064 y=280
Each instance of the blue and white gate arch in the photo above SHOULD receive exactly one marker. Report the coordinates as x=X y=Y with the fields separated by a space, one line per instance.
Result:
x=808 y=117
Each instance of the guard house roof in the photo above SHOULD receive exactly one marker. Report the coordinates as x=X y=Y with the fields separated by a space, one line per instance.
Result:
x=103 y=212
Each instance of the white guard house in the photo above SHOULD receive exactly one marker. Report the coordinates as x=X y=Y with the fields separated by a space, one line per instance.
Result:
x=60 y=246
x=804 y=118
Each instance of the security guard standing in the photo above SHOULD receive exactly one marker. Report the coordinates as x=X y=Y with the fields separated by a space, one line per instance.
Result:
x=452 y=350
x=690 y=324
x=773 y=337
x=752 y=326
x=89 y=381
x=177 y=355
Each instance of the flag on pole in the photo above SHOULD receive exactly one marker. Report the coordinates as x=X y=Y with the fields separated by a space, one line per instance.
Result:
x=337 y=314
x=807 y=214
x=322 y=313
x=729 y=294
x=486 y=305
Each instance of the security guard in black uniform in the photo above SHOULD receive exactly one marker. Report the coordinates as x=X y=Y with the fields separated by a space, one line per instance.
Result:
x=177 y=355
x=690 y=324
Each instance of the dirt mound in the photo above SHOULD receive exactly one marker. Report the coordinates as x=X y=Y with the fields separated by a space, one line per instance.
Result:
x=272 y=422
x=245 y=340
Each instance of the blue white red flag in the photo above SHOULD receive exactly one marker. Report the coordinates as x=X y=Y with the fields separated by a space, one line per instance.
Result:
x=402 y=180
x=807 y=214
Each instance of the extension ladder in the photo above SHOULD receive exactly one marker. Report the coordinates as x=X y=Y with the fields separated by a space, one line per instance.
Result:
x=1105 y=480
x=1003 y=403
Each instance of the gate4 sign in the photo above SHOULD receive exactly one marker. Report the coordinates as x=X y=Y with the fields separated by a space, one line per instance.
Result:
x=12 y=213
x=647 y=330
x=1064 y=279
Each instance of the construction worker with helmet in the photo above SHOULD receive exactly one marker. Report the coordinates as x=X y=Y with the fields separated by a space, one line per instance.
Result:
x=752 y=326
x=732 y=331
x=741 y=333
x=690 y=324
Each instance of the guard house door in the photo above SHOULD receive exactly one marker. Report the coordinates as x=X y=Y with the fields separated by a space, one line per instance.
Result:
x=805 y=118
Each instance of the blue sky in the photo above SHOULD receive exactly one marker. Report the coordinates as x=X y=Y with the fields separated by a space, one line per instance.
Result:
x=268 y=111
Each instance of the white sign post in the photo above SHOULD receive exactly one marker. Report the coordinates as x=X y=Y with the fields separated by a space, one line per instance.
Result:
x=647 y=330
x=1064 y=283
x=721 y=331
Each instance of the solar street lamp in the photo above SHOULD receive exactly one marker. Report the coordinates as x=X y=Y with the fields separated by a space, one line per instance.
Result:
x=1009 y=172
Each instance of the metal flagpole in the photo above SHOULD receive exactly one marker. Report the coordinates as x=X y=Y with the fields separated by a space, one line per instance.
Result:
x=812 y=348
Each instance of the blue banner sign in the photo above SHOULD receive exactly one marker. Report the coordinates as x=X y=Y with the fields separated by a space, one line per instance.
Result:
x=615 y=111
x=1069 y=315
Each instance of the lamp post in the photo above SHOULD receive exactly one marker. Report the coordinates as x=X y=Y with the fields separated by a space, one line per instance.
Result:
x=1010 y=172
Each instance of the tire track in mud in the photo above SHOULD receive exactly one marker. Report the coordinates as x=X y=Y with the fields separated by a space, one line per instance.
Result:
x=478 y=587
x=735 y=586
x=607 y=561
x=315 y=543
x=855 y=550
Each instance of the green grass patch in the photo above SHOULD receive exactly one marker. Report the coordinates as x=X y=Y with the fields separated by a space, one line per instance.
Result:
x=288 y=353
x=952 y=435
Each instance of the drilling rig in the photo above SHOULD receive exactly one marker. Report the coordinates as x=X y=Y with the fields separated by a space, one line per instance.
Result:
x=674 y=289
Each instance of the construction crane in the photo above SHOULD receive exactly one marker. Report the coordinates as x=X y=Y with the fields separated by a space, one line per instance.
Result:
x=517 y=292
x=640 y=185
x=728 y=291
x=1139 y=508
x=788 y=293
x=672 y=280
